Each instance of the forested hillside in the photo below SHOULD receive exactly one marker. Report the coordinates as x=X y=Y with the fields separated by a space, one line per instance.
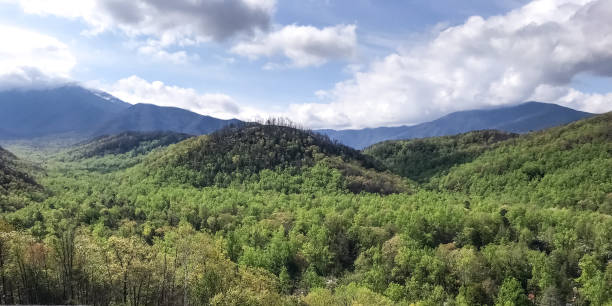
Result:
x=271 y=215
x=239 y=153
x=569 y=166
x=16 y=185
x=422 y=159
x=136 y=143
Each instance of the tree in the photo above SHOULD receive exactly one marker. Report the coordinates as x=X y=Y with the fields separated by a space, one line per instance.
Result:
x=511 y=293
x=594 y=286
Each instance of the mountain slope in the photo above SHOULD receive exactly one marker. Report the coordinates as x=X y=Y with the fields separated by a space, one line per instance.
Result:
x=149 y=118
x=569 y=166
x=137 y=143
x=81 y=112
x=238 y=154
x=66 y=109
x=422 y=159
x=17 y=187
x=526 y=117
x=12 y=177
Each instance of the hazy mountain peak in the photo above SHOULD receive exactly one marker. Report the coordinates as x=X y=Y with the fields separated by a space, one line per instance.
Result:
x=76 y=110
x=521 y=118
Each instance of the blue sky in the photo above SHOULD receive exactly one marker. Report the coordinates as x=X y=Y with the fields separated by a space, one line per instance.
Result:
x=334 y=63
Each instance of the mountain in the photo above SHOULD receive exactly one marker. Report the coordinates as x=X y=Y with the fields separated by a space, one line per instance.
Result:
x=422 y=159
x=81 y=112
x=523 y=118
x=149 y=118
x=66 y=109
x=564 y=166
x=237 y=154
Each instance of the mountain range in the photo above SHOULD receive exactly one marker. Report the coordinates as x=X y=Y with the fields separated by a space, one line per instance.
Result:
x=522 y=118
x=87 y=113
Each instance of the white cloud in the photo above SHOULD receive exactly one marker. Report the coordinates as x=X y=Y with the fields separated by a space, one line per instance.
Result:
x=159 y=24
x=593 y=103
x=153 y=49
x=173 y=22
x=532 y=52
x=137 y=90
x=134 y=89
x=32 y=59
x=303 y=45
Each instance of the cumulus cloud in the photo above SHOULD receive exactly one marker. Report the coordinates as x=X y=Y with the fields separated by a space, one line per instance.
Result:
x=32 y=59
x=303 y=45
x=173 y=22
x=137 y=90
x=153 y=49
x=532 y=52
x=158 y=25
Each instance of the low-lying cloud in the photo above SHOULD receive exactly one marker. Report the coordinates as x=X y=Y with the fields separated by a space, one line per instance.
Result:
x=30 y=59
x=134 y=89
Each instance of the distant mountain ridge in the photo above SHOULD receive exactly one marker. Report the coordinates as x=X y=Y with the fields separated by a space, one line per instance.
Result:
x=75 y=110
x=151 y=118
x=66 y=109
x=522 y=118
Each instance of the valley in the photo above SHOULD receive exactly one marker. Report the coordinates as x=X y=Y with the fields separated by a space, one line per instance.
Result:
x=268 y=214
x=306 y=153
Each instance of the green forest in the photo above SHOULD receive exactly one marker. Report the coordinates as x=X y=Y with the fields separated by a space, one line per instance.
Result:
x=269 y=214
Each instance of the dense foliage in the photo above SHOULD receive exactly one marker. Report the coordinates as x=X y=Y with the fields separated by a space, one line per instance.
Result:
x=17 y=186
x=239 y=153
x=422 y=159
x=292 y=232
x=136 y=143
x=568 y=166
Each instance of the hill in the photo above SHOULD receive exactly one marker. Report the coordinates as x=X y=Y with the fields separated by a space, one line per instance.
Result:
x=273 y=215
x=568 y=166
x=66 y=109
x=17 y=186
x=149 y=118
x=240 y=153
x=523 y=118
x=12 y=176
x=136 y=143
x=422 y=159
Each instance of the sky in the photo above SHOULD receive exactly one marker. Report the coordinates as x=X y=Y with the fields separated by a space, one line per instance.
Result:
x=320 y=63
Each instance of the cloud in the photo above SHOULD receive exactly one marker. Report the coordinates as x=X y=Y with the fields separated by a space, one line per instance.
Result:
x=32 y=59
x=157 y=25
x=531 y=52
x=137 y=90
x=153 y=49
x=593 y=103
x=134 y=89
x=172 y=22
x=303 y=45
